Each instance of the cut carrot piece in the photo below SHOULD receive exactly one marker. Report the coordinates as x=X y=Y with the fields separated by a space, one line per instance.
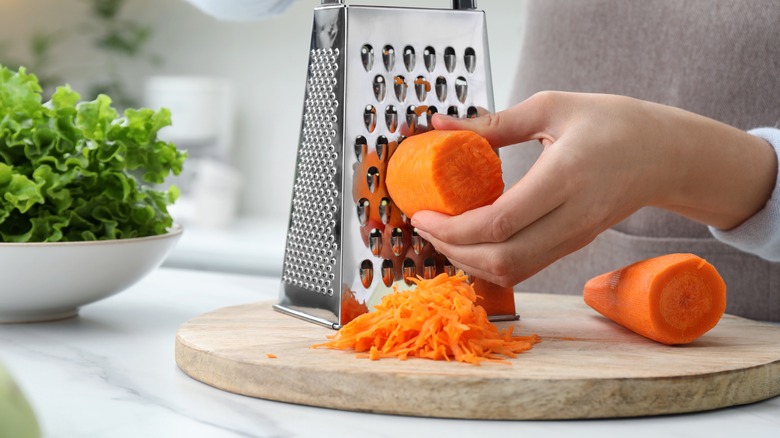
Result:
x=438 y=319
x=446 y=171
x=422 y=81
x=271 y=356
x=672 y=299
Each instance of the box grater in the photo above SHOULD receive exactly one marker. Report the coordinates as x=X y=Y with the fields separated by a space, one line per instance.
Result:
x=375 y=76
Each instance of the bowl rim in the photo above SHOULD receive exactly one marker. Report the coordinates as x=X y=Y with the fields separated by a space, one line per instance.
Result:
x=174 y=230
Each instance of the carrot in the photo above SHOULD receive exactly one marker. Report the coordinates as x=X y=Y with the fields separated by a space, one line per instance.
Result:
x=438 y=319
x=446 y=171
x=422 y=81
x=271 y=356
x=350 y=306
x=420 y=110
x=672 y=299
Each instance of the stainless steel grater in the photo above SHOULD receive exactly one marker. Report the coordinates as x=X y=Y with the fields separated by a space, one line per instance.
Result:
x=375 y=76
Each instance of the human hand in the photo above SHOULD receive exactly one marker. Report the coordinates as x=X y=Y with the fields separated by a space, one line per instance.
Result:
x=604 y=157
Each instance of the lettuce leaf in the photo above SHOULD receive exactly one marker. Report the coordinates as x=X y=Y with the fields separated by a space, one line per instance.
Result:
x=72 y=170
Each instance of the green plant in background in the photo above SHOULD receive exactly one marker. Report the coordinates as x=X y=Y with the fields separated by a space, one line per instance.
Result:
x=67 y=168
x=41 y=46
x=117 y=38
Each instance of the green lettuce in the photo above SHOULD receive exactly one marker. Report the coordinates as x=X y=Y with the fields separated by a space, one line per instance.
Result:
x=74 y=171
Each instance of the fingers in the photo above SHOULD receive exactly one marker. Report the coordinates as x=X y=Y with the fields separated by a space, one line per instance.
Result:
x=533 y=248
x=525 y=121
x=543 y=189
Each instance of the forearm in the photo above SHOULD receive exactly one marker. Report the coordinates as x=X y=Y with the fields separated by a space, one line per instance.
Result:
x=604 y=158
x=720 y=175
x=760 y=234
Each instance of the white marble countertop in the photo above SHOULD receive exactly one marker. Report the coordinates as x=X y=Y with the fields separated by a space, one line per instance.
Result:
x=111 y=373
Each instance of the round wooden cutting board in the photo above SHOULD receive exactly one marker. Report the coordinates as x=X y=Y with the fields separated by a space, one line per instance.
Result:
x=585 y=367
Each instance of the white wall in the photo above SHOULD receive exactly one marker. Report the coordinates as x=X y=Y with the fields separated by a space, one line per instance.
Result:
x=266 y=61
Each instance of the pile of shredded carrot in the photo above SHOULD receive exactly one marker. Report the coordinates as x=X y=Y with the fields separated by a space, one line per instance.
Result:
x=438 y=319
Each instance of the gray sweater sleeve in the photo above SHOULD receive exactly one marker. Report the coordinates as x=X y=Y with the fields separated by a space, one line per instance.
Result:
x=760 y=234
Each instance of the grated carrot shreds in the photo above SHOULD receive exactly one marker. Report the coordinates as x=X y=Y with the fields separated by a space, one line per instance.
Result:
x=438 y=319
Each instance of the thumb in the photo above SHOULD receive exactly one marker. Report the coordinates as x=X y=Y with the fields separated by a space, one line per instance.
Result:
x=522 y=122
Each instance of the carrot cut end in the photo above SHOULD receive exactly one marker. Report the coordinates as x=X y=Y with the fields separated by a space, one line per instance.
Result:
x=672 y=299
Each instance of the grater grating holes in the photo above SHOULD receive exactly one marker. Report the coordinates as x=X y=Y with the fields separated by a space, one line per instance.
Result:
x=366 y=273
x=411 y=119
x=417 y=242
x=382 y=147
x=397 y=241
x=372 y=179
x=391 y=118
x=385 y=210
x=429 y=58
x=375 y=241
x=361 y=148
x=369 y=117
x=441 y=88
x=388 y=272
x=409 y=271
x=311 y=245
x=450 y=59
x=400 y=87
x=470 y=60
x=429 y=268
x=388 y=57
x=403 y=241
x=409 y=58
x=421 y=88
x=461 y=89
x=363 y=209
x=367 y=56
x=380 y=88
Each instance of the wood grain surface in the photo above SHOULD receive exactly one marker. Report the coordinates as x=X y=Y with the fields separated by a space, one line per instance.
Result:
x=585 y=367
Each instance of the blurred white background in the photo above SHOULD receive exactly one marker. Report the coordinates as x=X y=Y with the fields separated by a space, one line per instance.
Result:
x=265 y=64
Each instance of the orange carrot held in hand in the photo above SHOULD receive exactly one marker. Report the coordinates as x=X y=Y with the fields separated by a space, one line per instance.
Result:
x=672 y=299
x=446 y=171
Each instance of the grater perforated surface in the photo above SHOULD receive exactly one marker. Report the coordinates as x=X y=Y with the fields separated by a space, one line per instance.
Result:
x=312 y=249
x=403 y=66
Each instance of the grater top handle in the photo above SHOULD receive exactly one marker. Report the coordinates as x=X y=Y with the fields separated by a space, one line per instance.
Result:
x=456 y=4
x=464 y=4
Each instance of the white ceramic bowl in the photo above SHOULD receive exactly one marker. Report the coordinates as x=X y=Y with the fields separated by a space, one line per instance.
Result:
x=48 y=281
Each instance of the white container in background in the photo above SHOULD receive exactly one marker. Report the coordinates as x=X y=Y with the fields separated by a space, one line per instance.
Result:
x=202 y=116
x=202 y=112
x=215 y=194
